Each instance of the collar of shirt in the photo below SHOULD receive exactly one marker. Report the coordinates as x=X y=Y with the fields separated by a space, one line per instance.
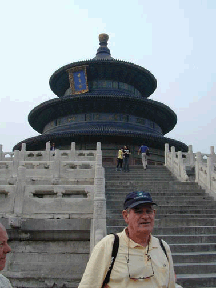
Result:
x=153 y=243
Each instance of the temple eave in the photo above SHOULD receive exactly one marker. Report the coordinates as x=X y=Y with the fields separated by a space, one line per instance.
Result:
x=107 y=103
x=109 y=136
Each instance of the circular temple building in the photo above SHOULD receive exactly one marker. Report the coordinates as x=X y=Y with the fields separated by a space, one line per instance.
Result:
x=103 y=100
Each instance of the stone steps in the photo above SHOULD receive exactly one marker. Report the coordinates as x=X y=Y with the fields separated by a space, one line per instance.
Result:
x=190 y=247
x=174 y=209
x=197 y=280
x=157 y=196
x=185 y=219
x=180 y=208
x=165 y=202
x=196 y=230
x=165 y=192
x=164 y=215
x=139 y=172
x=195 y=257
x=207 y=267
x=131 y=185
x=169 y=222
x=140 y=176
x=168 y=189
x=185 y=239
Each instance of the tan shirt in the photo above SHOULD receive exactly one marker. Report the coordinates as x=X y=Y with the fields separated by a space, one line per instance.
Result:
x=120 y=154
x=4 y=282
x=138 y=265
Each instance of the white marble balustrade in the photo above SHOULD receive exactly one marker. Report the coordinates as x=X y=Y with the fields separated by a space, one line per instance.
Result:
x=204 y=165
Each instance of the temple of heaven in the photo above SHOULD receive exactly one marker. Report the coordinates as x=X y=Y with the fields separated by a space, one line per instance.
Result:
x=103 y=100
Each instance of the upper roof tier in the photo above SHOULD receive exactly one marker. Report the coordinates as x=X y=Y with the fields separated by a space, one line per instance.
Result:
x=104 y=67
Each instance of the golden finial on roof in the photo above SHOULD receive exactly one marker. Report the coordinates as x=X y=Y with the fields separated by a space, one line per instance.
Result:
x=103 y=51
x=103 y=38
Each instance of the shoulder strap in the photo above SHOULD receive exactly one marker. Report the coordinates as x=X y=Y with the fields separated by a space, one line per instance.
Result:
x=113 y=257
x=163 y=248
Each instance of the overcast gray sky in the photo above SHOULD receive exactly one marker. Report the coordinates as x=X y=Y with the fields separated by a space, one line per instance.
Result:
x=174 y=39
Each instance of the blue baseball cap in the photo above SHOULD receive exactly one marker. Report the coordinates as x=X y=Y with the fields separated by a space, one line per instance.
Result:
x=139 y=197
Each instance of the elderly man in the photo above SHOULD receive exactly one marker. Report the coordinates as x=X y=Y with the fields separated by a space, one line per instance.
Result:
x=141 y=260
x=4 y=249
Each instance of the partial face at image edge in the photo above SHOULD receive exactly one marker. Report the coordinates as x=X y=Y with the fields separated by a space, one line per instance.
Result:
x=4 y=247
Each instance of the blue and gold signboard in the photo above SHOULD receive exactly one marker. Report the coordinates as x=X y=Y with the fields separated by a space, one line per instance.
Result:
x=78 y=79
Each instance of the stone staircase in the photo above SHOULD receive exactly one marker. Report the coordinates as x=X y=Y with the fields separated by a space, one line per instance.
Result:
x=185 y=219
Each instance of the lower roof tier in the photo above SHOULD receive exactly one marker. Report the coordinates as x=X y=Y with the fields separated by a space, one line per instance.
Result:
x=103 y=135
x=102 y=102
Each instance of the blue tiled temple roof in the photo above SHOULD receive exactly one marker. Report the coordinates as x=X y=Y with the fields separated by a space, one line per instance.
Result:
x=106 y=135
x=98 y=101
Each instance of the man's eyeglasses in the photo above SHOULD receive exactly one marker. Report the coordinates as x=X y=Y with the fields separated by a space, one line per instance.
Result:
x=133 y=269
x=139 y=210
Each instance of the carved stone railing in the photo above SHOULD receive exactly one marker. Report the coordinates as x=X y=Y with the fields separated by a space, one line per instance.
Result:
x=205 y=171
x=54 y=184
x=98 y=228
x=56 y=200
x=204 y=166
x=174 y=161
x=47 y=154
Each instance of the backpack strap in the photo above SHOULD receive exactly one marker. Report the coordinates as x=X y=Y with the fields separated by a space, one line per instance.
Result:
x=163 y=248
x=113 y=257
